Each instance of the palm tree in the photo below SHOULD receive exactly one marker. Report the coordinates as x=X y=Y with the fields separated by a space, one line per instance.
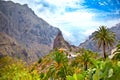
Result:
x=86 y=58
x=117 y=52
x=83 y=60
x=59 y=69
x=104 y=37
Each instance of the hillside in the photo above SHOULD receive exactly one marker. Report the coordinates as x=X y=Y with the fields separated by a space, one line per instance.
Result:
x=19 y=24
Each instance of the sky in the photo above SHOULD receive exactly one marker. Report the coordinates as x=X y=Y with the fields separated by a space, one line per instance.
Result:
x=77 y=19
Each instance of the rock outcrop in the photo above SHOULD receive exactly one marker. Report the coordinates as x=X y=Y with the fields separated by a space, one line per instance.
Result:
x=60 y=42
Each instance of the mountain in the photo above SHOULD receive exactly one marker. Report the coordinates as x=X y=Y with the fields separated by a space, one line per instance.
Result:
x=9 y=46
x=23 y=34
x=90 y=44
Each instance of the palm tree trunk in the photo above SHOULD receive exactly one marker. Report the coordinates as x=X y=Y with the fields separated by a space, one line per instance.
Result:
x=104 y=50
x=85 y=65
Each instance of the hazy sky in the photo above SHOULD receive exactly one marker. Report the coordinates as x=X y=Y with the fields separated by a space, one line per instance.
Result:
x=77 y=19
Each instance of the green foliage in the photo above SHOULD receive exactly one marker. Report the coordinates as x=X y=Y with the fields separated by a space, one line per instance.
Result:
x=117 y=52
x=60 y=67
x=59 y=57
x=76 y=77
x=99 y=70
x=15 y=70
x=104 y=37
x=56 y=66
x=84 y=60
x=105 y=70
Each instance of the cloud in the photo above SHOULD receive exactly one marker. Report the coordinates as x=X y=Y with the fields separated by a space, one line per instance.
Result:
x=77 y=19
x=69 y=36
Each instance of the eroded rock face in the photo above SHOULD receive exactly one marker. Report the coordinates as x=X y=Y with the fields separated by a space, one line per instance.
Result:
x=60 y=42
x=10 y=47
x=29 y=31
x=90 y=44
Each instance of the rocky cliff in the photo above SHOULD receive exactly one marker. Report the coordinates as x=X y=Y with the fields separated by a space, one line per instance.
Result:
x=90 y=44
x=60 y=42
x=31 y=35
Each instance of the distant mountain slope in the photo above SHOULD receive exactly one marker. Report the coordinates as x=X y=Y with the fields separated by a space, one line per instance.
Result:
x=90 y=44
x=20 y=23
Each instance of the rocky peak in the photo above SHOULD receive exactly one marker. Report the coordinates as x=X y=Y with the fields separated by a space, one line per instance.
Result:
x=60 y=42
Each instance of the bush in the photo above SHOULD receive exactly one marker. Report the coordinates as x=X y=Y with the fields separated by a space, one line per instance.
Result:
x=15 y=70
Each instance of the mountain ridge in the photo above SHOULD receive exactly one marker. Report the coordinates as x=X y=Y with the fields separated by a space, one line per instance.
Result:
x=30 y=32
